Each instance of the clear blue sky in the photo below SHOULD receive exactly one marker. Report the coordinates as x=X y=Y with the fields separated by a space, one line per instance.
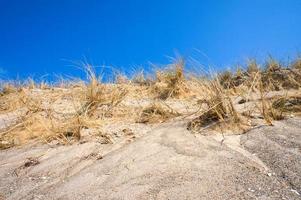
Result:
x=43 y=36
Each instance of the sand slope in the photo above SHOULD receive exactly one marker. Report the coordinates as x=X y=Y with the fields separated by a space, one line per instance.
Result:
x=168 y=162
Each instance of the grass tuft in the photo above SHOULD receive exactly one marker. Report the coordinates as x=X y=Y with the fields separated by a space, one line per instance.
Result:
x=170 y=82
x=156 y=113
x=218 y=107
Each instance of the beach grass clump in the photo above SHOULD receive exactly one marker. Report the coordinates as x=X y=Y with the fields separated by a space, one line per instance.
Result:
x=156 y=113
x=217 y=107
x=170 y=82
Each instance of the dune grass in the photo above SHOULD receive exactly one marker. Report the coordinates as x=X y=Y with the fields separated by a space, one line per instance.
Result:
x=60 y=111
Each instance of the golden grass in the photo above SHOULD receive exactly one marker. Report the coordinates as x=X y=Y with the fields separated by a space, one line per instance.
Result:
x=8 y=88
x=217 y=107
x=297 y=64
x=170 y=82
x=95 y=94
x=139 y=78
x=156 y=113
x=95 y=103
x=288 y=104
x=46 y=128
x=252 y=67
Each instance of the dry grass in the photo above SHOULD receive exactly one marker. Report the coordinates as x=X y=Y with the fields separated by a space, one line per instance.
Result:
x=278 y=108
x=274 y=76
x=8 y=88
x=226 y=79
x=265 y=107
x=156 y=113
x=139 y=78
x=252 y=67
x=275 y=107
x=296 y=64
x=170 y=82
x=217 y=107
x=95 y=94
x=288 y=104
x=95 y=103
x=44 y=124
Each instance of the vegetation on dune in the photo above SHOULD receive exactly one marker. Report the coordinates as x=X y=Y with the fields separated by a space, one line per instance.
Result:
x=62 y=111
x=274 y=75
x=95 y=94
x=155 y=113
x=170 y=82
x=218 y=106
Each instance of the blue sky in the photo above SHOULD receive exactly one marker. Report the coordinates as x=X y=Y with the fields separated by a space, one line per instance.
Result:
x=39 y=37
